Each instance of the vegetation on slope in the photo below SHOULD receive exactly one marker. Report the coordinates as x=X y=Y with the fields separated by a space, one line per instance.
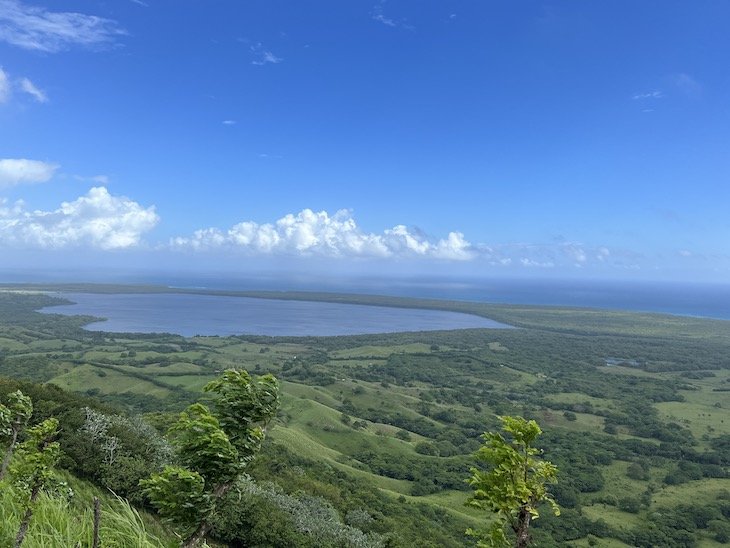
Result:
x=386 y=424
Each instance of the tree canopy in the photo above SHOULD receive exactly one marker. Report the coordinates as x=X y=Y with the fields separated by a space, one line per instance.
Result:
x=513 y=484
x=213 y=449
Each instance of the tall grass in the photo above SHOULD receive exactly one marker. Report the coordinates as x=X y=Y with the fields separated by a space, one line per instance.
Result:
x=59 y=523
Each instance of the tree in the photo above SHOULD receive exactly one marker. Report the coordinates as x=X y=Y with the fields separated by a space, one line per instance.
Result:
x=213 y=449
x=33 y=468
x=13 y=418
x=513 y=485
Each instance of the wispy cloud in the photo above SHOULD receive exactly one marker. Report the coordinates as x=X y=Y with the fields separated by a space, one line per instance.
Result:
x=20 y=171
x=378 y=15
x=531 y=263
x=320 y=234
x=556 y=255
x=228 y=122
x=687 y=84
x=31 y=89
x=263 y=56
x=96 y=220
x=4 y=87
x=8 y=85
x=648 y=95
x=98 y=179
x=36 y=28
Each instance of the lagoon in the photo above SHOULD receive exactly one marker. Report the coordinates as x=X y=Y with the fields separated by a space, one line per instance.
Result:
x=192 y=314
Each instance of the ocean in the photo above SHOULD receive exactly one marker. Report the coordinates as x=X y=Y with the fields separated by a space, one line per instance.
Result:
x=680 y=298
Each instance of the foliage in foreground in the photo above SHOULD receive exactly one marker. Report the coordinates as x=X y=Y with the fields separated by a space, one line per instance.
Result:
x=59 y=521
x=514 y=485
x=213 y=448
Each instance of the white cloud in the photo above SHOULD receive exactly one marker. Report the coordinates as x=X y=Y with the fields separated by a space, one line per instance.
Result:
x=531 y=263
x=310 y=233
x=8 y=85
x=575 y=252
x=4 y=86
x=378 y=15
x=229 y=122
x=97 y=220
x=39 y=29
x=17 y=171
x=263 y=56
x=30 y=88
x=648 y=95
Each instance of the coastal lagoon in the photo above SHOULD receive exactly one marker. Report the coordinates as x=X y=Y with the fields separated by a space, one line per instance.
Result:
x=191 y=314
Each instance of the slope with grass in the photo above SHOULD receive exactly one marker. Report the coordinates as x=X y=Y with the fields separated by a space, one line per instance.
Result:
x=69 y=520
x=398 y=415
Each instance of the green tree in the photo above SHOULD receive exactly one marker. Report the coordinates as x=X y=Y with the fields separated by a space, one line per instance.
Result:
x=13 y=418
x=513 y=484
x=33 y=468
x=213 y=449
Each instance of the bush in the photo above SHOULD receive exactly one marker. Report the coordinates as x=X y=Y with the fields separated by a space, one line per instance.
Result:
x=403 y=435
x=426 y=448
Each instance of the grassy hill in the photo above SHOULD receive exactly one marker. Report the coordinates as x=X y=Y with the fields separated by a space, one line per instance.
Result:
x=399 y=415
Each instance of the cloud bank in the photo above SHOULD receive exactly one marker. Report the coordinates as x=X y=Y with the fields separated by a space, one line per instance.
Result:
x=39 y=29
x=102 y=221
x=97 y=220
x=310 y=233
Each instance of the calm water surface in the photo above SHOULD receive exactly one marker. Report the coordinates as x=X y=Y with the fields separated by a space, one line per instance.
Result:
x=190 y=315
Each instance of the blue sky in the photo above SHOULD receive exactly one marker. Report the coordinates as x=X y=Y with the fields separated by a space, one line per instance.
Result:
x=494 y=138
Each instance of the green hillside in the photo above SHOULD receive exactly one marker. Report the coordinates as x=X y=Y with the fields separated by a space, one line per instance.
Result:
x=385 y=425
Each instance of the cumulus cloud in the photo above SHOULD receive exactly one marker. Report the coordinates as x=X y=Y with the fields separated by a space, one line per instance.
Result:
x=602 y=254
x=97 y=219
x=18 y=171
x=575 y=252
x=310 y=233
x=31 y=89
x=36 y=28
